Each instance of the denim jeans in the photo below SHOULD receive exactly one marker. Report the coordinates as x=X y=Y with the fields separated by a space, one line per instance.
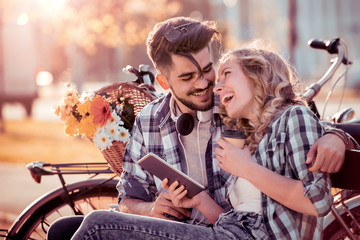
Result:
x=115 y=225
x=64 y=228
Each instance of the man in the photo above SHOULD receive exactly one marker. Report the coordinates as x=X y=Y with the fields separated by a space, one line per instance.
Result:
x=180 y=51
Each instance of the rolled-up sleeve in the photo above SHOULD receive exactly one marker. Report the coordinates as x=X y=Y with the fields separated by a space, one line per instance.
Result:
x=134 y=181
x=303 y=130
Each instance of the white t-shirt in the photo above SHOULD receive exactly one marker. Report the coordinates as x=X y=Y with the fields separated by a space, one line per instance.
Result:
x=244 y=196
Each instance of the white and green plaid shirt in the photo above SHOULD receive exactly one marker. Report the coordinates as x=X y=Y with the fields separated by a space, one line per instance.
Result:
x=283 y=150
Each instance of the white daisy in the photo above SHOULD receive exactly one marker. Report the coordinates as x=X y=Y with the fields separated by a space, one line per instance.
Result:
x=115 y=118
x=102 y=140
x=124 y=134
x=112 y=130
x=87 y=96
x=119 y=109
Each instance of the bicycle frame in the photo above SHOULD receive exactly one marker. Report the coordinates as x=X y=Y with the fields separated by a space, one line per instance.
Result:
x=37 y=169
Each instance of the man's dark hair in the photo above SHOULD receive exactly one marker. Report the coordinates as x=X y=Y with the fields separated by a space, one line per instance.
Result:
x=180 y=36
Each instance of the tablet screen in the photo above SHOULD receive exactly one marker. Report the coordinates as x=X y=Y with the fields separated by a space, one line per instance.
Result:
x=160 y=168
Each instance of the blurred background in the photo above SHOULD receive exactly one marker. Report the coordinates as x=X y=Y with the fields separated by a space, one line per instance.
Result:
x=45 y=43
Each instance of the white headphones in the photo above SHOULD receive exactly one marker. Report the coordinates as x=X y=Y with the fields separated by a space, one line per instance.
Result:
x=204 y=116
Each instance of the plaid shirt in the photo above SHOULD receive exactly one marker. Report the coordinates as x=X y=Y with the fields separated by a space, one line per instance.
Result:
x=283 y=150
x=155 y=131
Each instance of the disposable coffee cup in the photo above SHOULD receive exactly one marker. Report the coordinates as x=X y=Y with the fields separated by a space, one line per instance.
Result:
x=234 y=137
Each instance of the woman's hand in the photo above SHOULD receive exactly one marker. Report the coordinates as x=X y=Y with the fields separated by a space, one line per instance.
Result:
x=178 y=195
x=232 y=159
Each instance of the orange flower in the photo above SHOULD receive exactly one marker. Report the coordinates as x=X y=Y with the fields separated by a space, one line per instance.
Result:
x=100 y=110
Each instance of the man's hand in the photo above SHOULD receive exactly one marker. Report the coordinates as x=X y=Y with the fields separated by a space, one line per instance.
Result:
x=327 y=154
x=178 y=196
x=163 y=207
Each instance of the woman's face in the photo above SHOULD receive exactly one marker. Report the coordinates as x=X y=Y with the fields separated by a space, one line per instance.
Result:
x=235 y=90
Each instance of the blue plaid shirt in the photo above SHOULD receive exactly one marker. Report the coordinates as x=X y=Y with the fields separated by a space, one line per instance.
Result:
x=154 y=131
x=283 y=150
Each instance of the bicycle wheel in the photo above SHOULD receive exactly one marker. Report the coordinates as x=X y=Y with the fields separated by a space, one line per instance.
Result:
x=87 y=196
x=335 y=232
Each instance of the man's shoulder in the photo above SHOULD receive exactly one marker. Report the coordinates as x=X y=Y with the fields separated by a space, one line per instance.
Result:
x=153 y=108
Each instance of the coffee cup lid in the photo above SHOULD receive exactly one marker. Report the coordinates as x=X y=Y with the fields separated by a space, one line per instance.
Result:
x=233 y=134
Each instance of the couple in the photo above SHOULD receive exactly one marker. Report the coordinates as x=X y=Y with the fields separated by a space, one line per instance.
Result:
x=273 y=191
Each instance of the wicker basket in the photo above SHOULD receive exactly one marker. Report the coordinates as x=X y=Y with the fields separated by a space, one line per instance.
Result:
x=140 y=95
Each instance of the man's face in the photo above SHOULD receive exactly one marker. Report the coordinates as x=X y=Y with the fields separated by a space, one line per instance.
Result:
x=191 y=92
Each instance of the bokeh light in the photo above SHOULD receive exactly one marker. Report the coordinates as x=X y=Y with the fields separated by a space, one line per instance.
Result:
x=44 y=78
x=230 y=3
x=23 y=19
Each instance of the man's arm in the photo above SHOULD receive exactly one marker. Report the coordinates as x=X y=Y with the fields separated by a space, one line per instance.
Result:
x=162 y=207
x=138 y=193
x=328 y=153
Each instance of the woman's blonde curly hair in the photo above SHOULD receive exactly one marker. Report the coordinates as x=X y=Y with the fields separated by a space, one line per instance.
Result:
x=274 y=81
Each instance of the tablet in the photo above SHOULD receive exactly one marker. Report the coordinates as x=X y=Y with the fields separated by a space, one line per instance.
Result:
x=160 y=168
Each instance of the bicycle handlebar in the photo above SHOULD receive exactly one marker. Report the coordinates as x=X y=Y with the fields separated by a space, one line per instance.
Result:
x=333 y=46
x=317 y=44
x=143 y=74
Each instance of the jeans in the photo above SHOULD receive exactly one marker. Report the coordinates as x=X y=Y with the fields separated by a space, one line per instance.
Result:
x=64 y=228
x=115 y=225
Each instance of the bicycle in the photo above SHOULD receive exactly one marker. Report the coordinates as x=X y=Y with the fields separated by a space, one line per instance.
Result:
x=343 y=220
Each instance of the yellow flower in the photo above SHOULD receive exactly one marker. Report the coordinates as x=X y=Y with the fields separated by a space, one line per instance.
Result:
x=84 y=109
x=87 y=127
x=56 y=110
x=71 y=125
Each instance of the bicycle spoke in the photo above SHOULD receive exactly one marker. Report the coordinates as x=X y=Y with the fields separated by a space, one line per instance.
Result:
x=90 y=203
x=37 y=235
x=46 y=223
x=39 y=222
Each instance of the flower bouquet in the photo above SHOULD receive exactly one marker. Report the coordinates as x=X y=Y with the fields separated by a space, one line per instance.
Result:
x=105 y=116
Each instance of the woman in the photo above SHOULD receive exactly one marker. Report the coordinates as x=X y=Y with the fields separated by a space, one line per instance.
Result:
x=282 y=198
x=256 y=89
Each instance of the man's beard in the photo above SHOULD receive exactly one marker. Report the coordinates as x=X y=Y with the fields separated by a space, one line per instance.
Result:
x=192 y=105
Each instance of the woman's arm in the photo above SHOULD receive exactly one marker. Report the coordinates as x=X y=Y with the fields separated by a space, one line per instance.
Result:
x=304 y=191
x=287 y=191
